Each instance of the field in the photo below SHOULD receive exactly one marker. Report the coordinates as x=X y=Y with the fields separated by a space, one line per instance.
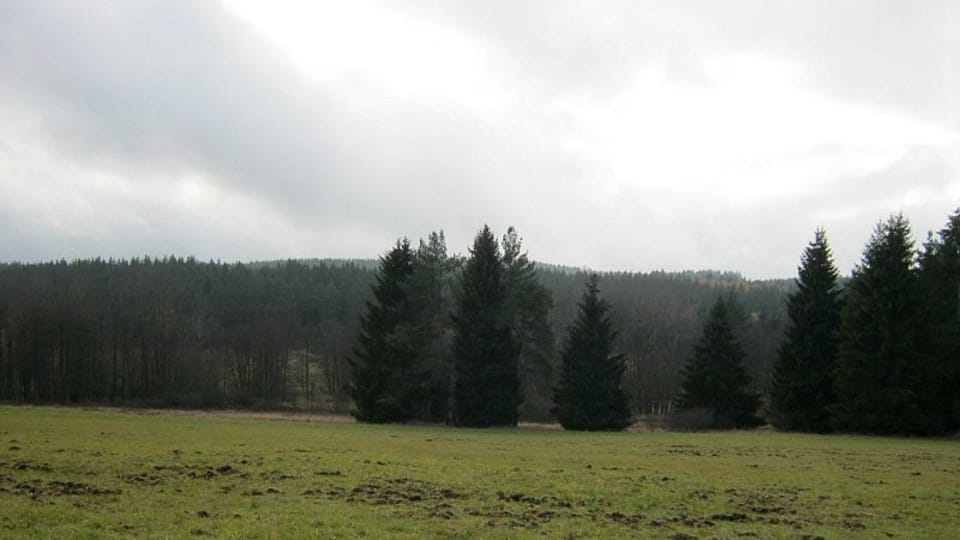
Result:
x=70 y=473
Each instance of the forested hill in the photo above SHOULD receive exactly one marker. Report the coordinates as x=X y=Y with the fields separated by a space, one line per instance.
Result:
x=179 y=332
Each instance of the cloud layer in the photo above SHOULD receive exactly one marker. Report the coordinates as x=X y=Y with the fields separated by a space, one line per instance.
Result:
x=630 y=135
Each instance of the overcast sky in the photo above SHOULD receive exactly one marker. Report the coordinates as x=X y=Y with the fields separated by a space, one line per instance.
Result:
x=620 y=135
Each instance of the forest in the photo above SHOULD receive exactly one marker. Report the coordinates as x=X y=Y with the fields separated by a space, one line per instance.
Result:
x=178 y=332
x=184 y=333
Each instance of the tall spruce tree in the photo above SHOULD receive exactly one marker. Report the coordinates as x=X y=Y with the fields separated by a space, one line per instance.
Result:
x=527 y=307
x=590 y=395
x=880 y=364
x=803 y=376
x=431 y=287
x=940 y=290
x=386 y=372
x=715 y=379
x=487 y=384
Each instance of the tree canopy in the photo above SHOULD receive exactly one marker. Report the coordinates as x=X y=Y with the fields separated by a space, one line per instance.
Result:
x=803 y=376
x=590 y=395
x=387 y=376
x=487 y=383
x=880 y=363
x=715 y=379
x=940 y=295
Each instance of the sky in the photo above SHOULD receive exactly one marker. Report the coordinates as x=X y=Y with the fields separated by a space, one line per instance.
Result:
x=616 y=135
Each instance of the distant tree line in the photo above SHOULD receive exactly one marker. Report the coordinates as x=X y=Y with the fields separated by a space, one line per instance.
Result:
x=180 y=332
x=177 y=332
x=491 y=338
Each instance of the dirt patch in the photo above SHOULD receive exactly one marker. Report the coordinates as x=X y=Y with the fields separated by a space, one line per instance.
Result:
x=143 y=478
x=400 y=490
x=277 y=476
x=262 y=492
x=26 y=466
x=200 y=472
x=735 y=517
x=435 y=501
x=37 y=488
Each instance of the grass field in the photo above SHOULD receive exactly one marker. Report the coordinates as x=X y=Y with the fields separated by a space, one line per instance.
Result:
x=68 y=473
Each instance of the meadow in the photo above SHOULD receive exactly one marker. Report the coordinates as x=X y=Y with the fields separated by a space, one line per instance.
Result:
x=72 y=473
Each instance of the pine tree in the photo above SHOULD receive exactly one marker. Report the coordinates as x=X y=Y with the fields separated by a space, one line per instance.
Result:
x=803 y=376
x=386 y=374
x=527 y=308
x=880 y=364
x=431 y=288
x=940 y=290
x=715 y=379
x=487 y=385
x=590 y=395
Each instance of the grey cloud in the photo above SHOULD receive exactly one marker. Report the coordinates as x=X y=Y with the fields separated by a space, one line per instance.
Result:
x=894 y=53
x=151 y=90
x=163 y=86
x=850 y=209
x=582 y=48
x=171 y=87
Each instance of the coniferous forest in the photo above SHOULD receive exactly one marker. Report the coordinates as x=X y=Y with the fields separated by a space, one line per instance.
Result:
x=492 y=338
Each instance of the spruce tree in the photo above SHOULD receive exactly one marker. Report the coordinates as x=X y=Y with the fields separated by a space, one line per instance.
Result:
x=487 y=384
x=715 y=379
x=803 y=376
x=386 y=372
x=940 y=290
x=590 y=395
x=527 y=308
x=880 y=364
x=431 y=287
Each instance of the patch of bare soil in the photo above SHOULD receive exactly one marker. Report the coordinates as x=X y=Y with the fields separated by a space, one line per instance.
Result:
x=195 y=472
x=142 y=478
x=37 y=488
x=391 y=491
x=515 y=510
x=26 y=466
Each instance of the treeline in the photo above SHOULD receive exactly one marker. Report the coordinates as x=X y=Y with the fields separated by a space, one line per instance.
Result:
x=180 y=332
x=876 y=353
x=177 y=332
x=500 y=342
x=881 y=355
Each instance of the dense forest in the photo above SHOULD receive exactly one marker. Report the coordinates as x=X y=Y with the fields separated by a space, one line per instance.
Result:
x=487 y=339
x=180 y=332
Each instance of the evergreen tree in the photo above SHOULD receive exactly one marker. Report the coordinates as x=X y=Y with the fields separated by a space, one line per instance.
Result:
x=940 y=290
x=431 y=288
x=880 y=365
x=715 y=379
x=487 y=385
x=527 y=307
x=590 y=395
x=803 y=376
x=386 y=374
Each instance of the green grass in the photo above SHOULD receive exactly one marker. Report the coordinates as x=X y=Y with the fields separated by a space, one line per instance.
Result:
x=68 y=473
